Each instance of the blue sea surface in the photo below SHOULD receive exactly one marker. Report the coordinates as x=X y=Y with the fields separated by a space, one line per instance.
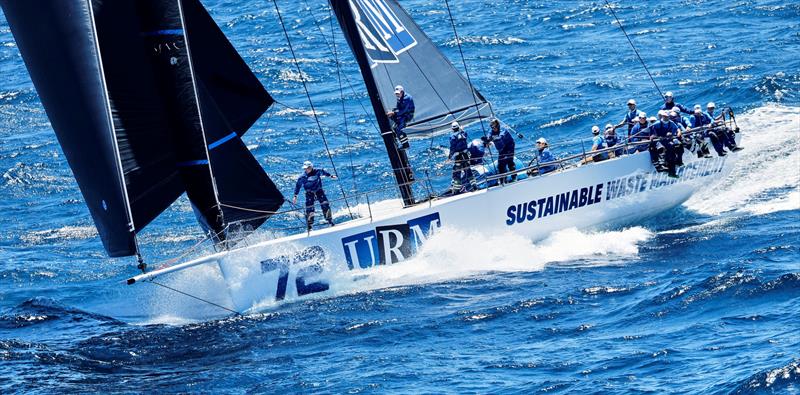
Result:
x=704 y=298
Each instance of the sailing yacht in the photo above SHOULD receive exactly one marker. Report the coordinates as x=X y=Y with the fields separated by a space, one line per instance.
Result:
x=164 y=99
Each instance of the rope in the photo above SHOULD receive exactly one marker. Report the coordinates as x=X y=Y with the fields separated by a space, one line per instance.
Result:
x=464 y=62
x=195 y=297
x=635 y=50
x=310 y=102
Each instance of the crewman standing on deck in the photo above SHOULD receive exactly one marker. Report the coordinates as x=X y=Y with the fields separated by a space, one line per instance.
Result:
x=311 y=181
x=402 y=114
x=630 y=116
x=459 y=154
x=503 y=141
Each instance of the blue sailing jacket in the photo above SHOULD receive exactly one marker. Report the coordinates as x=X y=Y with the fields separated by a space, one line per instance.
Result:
x=458 y=142
x=504 y=143
x=661 y=129
x=404 y=109
x=699 y=120
x=681 y=107
x=311 y=182
x=545 y=156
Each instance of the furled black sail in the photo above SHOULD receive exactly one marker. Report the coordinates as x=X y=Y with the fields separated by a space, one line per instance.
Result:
x=117 y=83
x=401 y=54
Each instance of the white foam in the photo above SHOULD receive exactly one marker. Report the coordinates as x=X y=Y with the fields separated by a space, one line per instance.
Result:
x=453 y=254
x=767 y=176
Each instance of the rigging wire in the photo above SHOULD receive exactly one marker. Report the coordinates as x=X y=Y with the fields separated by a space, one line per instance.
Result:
x=367 y=113
x=195 y=297
x=464 y=62
x=341 y=96
x=311 y=103
x=634 y=49
x=466 y=71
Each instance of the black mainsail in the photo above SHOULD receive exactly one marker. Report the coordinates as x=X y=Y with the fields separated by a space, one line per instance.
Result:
x=117 y=81
x=400 y=53
x=348 y=21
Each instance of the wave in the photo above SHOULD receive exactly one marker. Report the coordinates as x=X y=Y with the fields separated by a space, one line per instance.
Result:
x=773 y=381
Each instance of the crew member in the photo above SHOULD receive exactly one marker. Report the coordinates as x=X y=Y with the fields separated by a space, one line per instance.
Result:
x=543 y=155
x=710 y=107
x=630 y=116
x=611 y=138
x=504 y=144
x=699 y=122
x=669 y=103
x=640 y=132
x=311 y=181
x=598 y=143
x=476 y=152
x=402 y=114
x=662 y=150
x=459 y=154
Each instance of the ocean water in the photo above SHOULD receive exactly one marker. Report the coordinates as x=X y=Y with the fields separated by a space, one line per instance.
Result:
x=702 y=299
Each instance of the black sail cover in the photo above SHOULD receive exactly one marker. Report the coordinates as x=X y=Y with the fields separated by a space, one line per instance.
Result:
x=117 y=87
x=401 y=54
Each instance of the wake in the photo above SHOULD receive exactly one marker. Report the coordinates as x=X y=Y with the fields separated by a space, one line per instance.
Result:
x=766 y=178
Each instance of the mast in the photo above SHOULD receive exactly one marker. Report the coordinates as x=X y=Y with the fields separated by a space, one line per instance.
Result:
x=397 y=157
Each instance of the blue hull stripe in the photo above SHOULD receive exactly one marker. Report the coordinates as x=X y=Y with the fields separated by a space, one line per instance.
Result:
x=167 y=32
x=222 y=141
x=193 y=163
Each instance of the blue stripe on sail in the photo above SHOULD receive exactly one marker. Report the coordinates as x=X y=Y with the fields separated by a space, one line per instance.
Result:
x=166 y=32
x=193 y=163
x=222 y=141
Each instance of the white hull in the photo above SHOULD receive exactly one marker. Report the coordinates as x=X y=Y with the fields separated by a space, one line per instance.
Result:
x=606 y=194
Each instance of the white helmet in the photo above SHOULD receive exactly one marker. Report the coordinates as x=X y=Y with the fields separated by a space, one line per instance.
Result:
x=398 y=89
x=631 y=101
x=542 y=140
x=595 y=129
x=307 y=164
x=711 y=105
x=455 y=125
x=668 y=94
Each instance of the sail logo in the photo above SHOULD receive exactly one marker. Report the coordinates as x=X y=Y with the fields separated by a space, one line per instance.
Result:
x=383 y=34
x=389 y=244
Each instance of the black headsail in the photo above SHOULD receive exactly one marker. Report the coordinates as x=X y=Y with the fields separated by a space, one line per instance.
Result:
x=123 y=167
x=400 y=53
x=117 y=82
x=346 y=14
x=231 y=100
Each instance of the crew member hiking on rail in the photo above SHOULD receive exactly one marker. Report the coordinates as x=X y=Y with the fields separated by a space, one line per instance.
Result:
x=459 y=154
x=662 y=149
x=543 y=155
x=402 y=114
x=311 y=181
x=640 y=132
x=505 y=145
x=598 y=143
